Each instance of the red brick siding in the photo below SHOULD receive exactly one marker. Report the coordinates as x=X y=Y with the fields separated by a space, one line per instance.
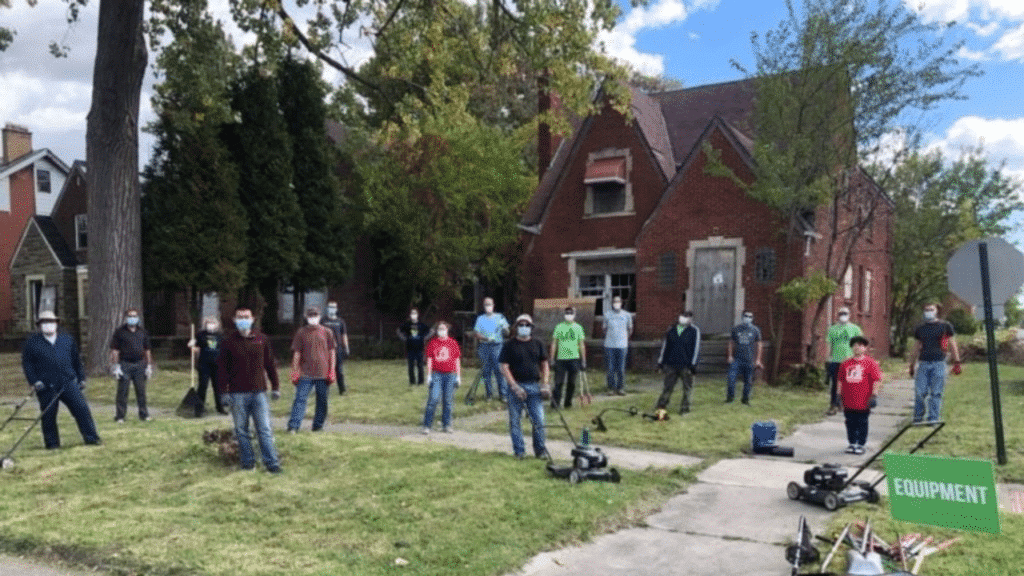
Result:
x=12 y=225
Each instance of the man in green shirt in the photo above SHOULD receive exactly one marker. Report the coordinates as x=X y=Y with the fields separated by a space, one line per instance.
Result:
x=569 y=353
x=839 y=350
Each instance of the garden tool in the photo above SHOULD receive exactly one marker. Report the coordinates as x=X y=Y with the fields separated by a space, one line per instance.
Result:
x=191 y=405
x=585 y=396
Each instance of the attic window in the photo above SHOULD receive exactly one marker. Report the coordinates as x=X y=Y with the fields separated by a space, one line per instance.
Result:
x=608 y=190
x=43 y=181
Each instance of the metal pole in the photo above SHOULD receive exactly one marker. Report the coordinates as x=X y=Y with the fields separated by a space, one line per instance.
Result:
x=993 y=371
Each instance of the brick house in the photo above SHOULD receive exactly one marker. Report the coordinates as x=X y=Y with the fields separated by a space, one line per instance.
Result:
x=32 y=183
x=626 y=208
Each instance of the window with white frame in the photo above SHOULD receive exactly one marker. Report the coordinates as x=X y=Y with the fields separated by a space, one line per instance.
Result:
x=81 y=231
x=606 y=286
x=865 y=304
x=608 y=189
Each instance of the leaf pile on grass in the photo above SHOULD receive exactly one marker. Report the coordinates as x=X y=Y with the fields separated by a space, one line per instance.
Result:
x=711 y=428
x=154 y=499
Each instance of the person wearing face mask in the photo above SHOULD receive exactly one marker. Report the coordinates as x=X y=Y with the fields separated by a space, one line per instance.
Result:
x=131 y=361
x=569 y=351
x=490 y=330
x=838 y=338
x=207 y=346
x=618 y=327
x=680 y=350
x=933 y=338
x=525 y=366
x=336 y=325
x=313 y=356
x=53 y=367
x=245 y=363
x=444 y=371
x=414 y=333
x=743 y=353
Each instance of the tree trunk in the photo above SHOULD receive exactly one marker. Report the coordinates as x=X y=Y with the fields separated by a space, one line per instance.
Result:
x=112 y=174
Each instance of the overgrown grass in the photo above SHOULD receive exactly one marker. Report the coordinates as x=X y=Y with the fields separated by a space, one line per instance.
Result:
x=711 y=428
x=155 y=500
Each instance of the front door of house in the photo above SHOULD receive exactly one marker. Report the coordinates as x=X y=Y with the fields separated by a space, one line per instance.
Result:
x=714 y=289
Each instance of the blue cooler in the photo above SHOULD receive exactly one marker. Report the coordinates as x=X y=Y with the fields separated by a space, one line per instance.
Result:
x=763 y=435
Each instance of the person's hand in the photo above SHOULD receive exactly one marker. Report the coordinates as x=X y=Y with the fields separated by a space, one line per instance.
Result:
x=191 y=343
x=39 y=386
x=225 y=400
x=275 y=395
x=457 y=381
x=910 y=369
x=347 y=353
x=693 y=369
x=149 y=370
x=873 y=402
x=660 y=368
x=758 y=364
x=545 y=393
x=729 y=359
x=957 y=369
x=81 y=384
x=116 y=371
x=520 y=392
x=295 y=377
x=583 y=363
x=332 y=376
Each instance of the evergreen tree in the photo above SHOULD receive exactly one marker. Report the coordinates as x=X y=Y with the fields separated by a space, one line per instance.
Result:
x=329 y=221
x=262 y=151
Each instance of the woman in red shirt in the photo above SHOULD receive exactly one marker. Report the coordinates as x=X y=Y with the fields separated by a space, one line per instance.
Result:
x=444 y=370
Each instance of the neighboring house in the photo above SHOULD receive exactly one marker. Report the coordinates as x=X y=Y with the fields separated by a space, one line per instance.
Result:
x=626 y=208
x=31 y=185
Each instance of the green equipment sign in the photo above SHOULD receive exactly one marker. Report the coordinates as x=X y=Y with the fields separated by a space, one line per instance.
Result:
x=948 y=492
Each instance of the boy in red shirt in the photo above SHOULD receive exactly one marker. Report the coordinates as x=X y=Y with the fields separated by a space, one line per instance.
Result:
x=444 y=370
x=858 y=377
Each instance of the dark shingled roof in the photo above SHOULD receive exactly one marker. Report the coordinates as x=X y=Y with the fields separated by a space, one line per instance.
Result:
x=57 y=243
x=648 y=115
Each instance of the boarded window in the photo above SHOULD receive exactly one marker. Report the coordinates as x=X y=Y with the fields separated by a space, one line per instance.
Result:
x=667 y=270
x=764 y=265
x=608 y=197
x=606 y=286
x=865 y=304
x=848 y=283
x=43 y=180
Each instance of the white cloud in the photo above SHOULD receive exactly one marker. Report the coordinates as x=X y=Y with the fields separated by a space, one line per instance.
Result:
x=1001 y=139
x=620 y=42
x=974 y=55
x=622 y=46
x=1011 y=45
x=657 y=15
x=984 y=29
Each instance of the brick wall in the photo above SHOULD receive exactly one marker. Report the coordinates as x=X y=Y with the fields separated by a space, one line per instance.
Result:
x=12 y=224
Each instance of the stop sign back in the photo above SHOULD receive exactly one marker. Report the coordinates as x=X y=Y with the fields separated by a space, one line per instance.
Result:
x=1005 y=270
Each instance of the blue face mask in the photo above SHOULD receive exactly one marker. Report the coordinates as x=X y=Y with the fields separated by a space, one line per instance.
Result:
x=243 y=323
x=748 y=320
x=132 y=320
x=524 y=331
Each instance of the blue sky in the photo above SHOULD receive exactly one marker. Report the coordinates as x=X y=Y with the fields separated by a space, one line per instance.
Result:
x=690 y=40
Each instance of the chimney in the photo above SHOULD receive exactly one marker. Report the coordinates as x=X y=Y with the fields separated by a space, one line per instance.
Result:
x=17 y=142
x=547 y=143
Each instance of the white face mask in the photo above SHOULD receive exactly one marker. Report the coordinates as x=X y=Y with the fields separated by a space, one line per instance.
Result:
x=313 y=320
x=616 y=306
x=684 y=320
x=570 y=317
x=844 y=318
x=748 y=319
x=489 y=308
x=930 y=314
x=442 y=333
x=211 y=327
x=332 y=311
x=524 y=331
x=48 y=328
x=414 y=317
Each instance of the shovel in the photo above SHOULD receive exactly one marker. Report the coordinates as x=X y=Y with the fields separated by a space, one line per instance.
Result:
x=585 y=396
x=191 y=406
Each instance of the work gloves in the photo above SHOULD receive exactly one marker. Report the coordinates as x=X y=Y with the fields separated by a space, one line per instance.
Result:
x=275 y=395
x=149 y=370
x=225 y=400
x=39 y=386
x=873 y=402
x=116 y=371
x=956 y=369
x=545 y=393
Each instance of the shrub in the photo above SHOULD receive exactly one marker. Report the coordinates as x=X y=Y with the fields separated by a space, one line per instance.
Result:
x=962 y=320
x=806 y=376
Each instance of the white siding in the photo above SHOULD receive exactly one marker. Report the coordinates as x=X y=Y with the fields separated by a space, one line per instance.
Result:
x=45 y=201
x=5 y=194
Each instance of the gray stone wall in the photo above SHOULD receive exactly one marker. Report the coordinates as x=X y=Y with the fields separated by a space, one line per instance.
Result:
x=36 y=259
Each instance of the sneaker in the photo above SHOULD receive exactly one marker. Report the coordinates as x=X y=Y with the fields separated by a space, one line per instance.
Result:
x=851 y=449
x=746 y=401
x=293 y=431
x=248 y=466
x=684 y=411
x=520 y=456
x=448 y=430
x=620 y=392
x=832 y=411
x=274 y=469
x=146 y=419
x=859 y=449
x=728 y=400
x=426 y=430
x=118 y=420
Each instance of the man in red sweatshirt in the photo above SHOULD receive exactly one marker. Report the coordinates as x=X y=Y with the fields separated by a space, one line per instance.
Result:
x=858 y=379
x=245 y=362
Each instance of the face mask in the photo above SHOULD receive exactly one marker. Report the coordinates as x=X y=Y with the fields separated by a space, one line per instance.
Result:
x=748 y=320
x=211 y=327
x=313 y=320
x=489 y=308
x=684 y=320
x=243 y=323
x=332 y=311
x=570 y=317
x=523 y=331
x=844 y=318
x=132 y=320
x=48 y=328
x=442 y=333
x=616 y=306
x=414 y=317
x=930 y=314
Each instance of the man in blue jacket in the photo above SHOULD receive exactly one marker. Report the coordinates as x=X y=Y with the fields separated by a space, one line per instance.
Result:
x=54 y=368
x=678 y=359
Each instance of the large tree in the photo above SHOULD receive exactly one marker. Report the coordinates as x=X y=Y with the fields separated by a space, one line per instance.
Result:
x=833 y=80
x=938 y=206
x=193 y=220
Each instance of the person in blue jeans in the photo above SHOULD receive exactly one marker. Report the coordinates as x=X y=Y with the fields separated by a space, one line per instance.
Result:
x=933 y=338
x=524 y=363
x=490 y=330
x=53 y=367
x=314 y=353
x=245 y=363
x=414 y=333
x=744 y=356
x=444 y=371
x=618 y=327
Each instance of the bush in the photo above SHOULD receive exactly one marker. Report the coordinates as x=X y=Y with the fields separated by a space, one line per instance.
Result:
x=806 y=376
x=962 y=320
